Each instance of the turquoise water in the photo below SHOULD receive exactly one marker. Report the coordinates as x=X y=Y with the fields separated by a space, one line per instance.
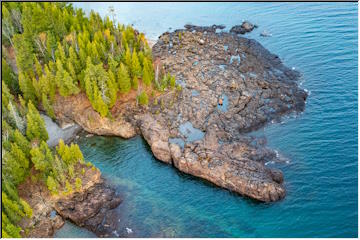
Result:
x=318 y=39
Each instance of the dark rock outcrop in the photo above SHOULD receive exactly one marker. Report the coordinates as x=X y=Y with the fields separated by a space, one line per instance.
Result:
x=243 y=28
x=212 y=28
x=93 y=207
x=90 y=208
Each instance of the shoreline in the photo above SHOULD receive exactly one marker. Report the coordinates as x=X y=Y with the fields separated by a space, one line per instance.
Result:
x=207 y=156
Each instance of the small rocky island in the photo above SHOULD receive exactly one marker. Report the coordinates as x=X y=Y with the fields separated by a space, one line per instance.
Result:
x=231 y=85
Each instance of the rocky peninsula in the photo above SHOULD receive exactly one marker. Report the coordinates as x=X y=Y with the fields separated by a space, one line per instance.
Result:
x=231 y=85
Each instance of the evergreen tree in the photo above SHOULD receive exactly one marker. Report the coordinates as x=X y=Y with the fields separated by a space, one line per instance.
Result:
x=112 y=88
x=27 y=209
x=22 y=142
x=38 y=159
x=19 y=162
x=148 y=75
x=128 y=57
x=135 y=83
x=123 y=79
x=143 y=98
x=68 y=187
x=47 y=106
x=64 y=81
x=6 y=96
x=135 y=65
x=27 y=87
x=24 y=53
x=35 y=125
x=8 y=230
x=52 y=185
x=11 y=208
x=9 y=77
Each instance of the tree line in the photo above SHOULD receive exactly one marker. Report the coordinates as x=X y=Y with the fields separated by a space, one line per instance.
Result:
x=24 y=151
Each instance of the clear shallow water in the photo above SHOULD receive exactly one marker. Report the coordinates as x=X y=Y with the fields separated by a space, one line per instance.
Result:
x=318 y=39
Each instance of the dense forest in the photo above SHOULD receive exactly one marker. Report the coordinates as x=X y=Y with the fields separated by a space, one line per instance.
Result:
x=60 y=51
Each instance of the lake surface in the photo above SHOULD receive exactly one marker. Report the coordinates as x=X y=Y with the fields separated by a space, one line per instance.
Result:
x=319 y=40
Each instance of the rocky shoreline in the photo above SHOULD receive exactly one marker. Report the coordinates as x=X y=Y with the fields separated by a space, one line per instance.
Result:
x=231 y=85
x=92 y=207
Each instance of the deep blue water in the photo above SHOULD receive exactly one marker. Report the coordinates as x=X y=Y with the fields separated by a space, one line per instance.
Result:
x=319 y=40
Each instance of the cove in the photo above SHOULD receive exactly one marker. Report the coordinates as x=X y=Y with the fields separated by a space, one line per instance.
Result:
x=160 y=201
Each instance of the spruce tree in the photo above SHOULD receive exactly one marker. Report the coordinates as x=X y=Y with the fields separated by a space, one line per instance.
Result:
x=48 y=107
x=135 y=83
x=65 y=82
x=22 y=142
x=35 y=125
x=143 y=98
x=135 y=65
x=52 y=185
x=27 y=87
x=128 y=58
x=9 y=77
x=123 y=79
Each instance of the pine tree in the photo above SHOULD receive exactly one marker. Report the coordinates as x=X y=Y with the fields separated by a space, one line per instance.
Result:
x=6 y=96
x=27 y=209
x=64 y=81
x=74 y=60
x=11 y=208
x=76 y=153
x=143 y=98
x=38 y=68
x=113 y=64
x=27 y=87
x=148 y=73
x=128 y=57
x=112 y=88
x=24 y=53
x=48 y=84
x=41 y=157
x=135 y=65
x=99 y=104
x=47 y=106
x=60 y=54
x=68 y=187
x=52 y=185
x=19 y=165
x=35 y=125
x=123 y=79
x=51 y=45
x=22 y=142
x=135 y=83
x=9 y=77
x=9 y=230
x=58 y=168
